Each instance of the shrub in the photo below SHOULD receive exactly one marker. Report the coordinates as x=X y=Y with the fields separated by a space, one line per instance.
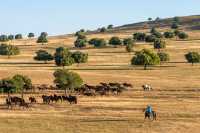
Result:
x=164 y=57
x=193 y=57
x=31 y=35
x=168 y=34
x=98 y=42
x=159 y=44
x=129 y=47
x=4 y=38
x=115 y=41
x=9 y=50
x=183 y=35
x=42 y=38
x=150 y=38
x=127 y=41
x=43 y=55
x=18 y=36
x=139 y=36
x=80 y=57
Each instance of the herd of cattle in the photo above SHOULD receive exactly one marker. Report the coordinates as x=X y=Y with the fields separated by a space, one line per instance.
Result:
x=103 y=89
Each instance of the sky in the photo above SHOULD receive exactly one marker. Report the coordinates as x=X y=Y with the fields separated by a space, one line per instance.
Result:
x=66 y=16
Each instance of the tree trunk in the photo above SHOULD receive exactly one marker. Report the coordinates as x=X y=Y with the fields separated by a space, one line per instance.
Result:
x=65 y=92
x=8 y=94
x=22 y=94
x=145 y=67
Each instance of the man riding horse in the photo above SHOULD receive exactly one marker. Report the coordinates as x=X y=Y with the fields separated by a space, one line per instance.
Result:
x=149 y=113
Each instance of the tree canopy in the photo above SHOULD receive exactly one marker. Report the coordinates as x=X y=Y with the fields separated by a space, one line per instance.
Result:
x=18 y=36
x=159 y=44
x=193 y=57
x=67 y=80
x=80 y=57
x=145 y=57
x=42 y=38
x=43 y=55
x=9 y=50
x=164 y=57
x=98 y=42
x=63 y=57
x=115 y=41
x=31 y=35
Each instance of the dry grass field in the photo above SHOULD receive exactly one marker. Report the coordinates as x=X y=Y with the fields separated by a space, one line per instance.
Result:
x=175 y=96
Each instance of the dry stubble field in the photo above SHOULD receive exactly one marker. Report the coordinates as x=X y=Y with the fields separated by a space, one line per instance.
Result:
x=175 y=97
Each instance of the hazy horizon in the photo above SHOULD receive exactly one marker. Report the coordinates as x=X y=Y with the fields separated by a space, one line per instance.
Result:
x=62 y=17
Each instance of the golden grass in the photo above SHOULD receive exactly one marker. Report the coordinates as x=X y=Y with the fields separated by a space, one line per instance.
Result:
x=175 y=96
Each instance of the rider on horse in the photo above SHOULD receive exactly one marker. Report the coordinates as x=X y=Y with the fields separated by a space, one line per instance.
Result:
x=149 y=109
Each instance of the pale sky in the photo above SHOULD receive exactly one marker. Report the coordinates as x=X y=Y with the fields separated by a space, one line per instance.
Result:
x=66 y=16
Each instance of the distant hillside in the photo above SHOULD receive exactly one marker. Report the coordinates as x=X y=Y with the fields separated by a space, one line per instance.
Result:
x=189 y=22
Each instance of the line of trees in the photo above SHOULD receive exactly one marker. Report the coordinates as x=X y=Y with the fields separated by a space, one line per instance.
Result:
x=64 y=80
x=63 y=57
x=9 y=50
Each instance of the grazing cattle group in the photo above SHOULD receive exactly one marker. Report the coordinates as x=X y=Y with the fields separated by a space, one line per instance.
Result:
x=56 y=98
x=103 y=89
x=16 y=101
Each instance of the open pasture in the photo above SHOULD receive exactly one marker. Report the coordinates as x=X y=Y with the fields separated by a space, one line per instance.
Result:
x=175 y=96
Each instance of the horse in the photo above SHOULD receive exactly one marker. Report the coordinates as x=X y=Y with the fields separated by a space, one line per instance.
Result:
x=32 y=99
x=72 y=99
x=151 y=115
x=147 y=87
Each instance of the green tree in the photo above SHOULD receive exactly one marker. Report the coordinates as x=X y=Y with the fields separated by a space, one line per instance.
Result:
x=43 y=55
x=127 y=41
x=110 y=27
x=80 y=32
x=18 y=36
x=176 y=33
x=63 y=57
x=164 y=57
x=176 y=20
x=11 y=37
x=21 y=83
x=157 y=34
x=149 y=19
x=153 y=30
x=129 y=47
x=115 y=41
x=9 y=50
x=174 y=25
x=98 y=42
x=103 y=29
x=3 y=38
x=79 y=57
x=67 y=80
x=159 y=44
x=193 y=57
x=42 y=38
x=7 y=86
x=139 y=36
x=168 y=34
x=80 y=43
x=182 y=35
x=31 y=35
x=150 y=38
x=145 y=57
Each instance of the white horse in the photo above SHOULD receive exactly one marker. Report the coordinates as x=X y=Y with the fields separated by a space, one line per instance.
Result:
x=147 y=87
